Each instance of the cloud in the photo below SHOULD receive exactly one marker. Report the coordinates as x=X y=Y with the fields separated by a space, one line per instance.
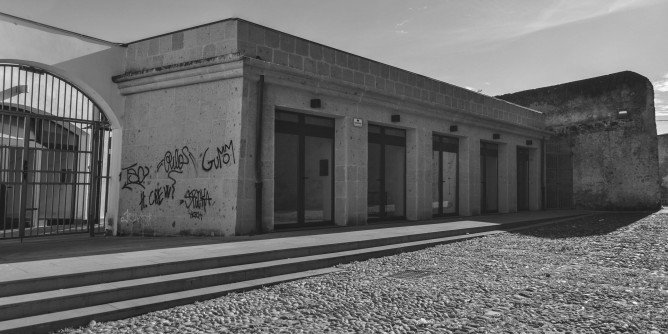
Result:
x=662 y=84
x=402 y=23
x=660 y=107
x=497 y=22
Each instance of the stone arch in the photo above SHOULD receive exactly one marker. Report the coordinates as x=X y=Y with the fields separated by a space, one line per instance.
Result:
x=114 y=167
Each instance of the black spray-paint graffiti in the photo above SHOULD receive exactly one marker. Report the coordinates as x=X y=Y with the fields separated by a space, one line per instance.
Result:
x=197 y=199
x=175 y=162
x=135 y=175
x=156 y=196
x=224 y=156
x=196 y=214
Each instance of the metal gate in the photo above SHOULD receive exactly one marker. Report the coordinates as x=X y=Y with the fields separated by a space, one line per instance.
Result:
x=54 y=156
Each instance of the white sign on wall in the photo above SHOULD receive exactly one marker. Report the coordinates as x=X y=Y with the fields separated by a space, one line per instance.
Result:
x=357 y=122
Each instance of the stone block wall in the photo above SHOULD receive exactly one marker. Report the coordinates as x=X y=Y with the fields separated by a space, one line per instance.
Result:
x=182 y=47
x=609 y=124
x=256 y=41
x=663 y=166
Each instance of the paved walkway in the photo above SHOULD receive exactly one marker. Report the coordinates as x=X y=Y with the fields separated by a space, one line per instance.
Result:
x=75 y=254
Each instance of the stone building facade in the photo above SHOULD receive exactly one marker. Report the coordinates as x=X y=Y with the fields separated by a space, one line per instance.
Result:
x=216 y=114
x=233 y=128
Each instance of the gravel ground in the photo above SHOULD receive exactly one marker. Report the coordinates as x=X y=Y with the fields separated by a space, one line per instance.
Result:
x=602 y=274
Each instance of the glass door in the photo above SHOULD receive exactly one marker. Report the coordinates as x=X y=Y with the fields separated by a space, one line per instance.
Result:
x=522 y=179
x=489 y=177
x=303 y=170
x=386 y=198
x=445 y=171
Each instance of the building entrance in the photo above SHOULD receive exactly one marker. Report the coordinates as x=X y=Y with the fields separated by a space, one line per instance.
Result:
x=445 y=172
x=489 y=177
x=54 y=156
x=387 y=173
x=523 y=179
x=303 y=170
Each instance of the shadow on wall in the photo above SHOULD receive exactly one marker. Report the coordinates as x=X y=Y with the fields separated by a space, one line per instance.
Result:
x=597 y=224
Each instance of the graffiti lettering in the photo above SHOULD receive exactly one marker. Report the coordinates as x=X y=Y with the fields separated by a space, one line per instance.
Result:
x=131 y=219
x=224 y=157
x=195 y=214
x=156 y=196
x=173 y=162
x=197 y=199
x=135 y=175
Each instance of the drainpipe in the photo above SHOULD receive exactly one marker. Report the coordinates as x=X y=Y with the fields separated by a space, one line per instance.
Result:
x=542 y=174
x=258 y=157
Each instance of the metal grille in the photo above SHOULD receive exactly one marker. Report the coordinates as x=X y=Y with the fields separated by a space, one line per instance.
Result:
x=54 y=156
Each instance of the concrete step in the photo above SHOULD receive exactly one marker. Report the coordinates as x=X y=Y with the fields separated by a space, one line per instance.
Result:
x=110 y=299
x=84 y=296
x=208 y=261
x=78 y=306
x=45 y=323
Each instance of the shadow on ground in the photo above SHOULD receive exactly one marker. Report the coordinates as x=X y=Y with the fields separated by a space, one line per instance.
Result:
x=590 y=225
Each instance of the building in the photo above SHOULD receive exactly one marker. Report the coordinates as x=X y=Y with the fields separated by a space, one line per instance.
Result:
x=603 y=151
x=234 y=128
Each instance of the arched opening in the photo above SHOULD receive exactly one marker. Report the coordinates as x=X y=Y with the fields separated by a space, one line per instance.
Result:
x=55 y=154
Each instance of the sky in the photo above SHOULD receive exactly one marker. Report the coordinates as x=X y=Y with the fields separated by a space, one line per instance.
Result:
x=491 y=46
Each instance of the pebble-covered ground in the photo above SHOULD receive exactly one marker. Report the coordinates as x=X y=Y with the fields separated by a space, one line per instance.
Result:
x=607 y=273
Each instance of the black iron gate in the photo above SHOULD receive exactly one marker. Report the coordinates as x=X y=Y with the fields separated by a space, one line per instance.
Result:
x=54 y=156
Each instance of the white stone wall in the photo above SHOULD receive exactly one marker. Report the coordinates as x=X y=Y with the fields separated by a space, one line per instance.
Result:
x=181 y=158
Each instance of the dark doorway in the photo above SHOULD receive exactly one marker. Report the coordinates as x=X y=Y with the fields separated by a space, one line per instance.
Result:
x=558 y=174
x=489 y=177
x=523 y=179
x=303 y=170
x=387 y=173
x=445 y=172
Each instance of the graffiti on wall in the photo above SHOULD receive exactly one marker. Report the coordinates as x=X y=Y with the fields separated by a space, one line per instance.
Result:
x=196 y=201
x=132 y=221
x=135 y=175
x=224 y=156
x=173 y=163
x=156 y=196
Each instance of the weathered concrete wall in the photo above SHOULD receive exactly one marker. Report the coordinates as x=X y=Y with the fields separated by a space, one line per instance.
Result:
x=615 y=164
x=291 y=90
x=663 y=166
x=192 y=98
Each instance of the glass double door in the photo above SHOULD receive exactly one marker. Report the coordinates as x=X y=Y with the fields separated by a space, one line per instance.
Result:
x=303 y=170
x=523 y=179
x=386 y=197
x=489 y=177
x=445 y=171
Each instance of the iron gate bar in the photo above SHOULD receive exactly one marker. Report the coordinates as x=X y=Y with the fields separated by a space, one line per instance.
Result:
x=54 y=157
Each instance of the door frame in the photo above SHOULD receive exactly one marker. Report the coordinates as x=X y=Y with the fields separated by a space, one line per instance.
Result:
x=302 y=130
x=383 y=140
x=483 y=173
x=452 y=148
x=526 y=154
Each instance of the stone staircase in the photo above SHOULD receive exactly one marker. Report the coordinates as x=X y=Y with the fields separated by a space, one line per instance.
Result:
x=51 y=302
